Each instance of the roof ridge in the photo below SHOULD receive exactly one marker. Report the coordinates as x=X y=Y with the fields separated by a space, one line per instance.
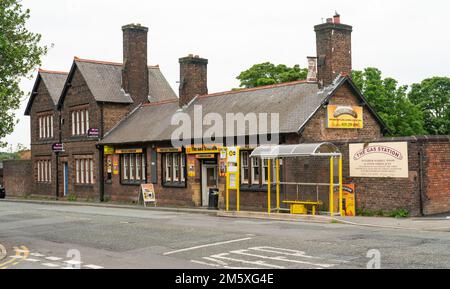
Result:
x=40 y=70
x=254 y=88
x=76 y=58
x=160 y=102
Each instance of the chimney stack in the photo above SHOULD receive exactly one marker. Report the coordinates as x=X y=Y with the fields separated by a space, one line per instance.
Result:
x=334 y=50
x=312 y=69
x=135 y=69
x=193 y=78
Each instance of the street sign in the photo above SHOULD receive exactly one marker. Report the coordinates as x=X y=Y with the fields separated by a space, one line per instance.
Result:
x=58 y=147
x=93 y=132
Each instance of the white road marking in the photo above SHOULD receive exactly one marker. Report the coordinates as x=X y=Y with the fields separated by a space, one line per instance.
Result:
x=73 y=262
x=257 y=263
x=51 y=265
x=204 y=263
x=280 y=258
x=16 y=257
x=20 y=251
x=93 y=266
x=206 y=245
x=53 y=258
x=32 y=260
x=37 y=255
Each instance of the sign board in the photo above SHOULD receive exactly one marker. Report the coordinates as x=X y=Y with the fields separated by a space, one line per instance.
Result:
x=348 y=199
x=379 y=160
x=232 y=167
x=93 y=132
x=129 y=151
x=204 y=149
x=232 y=182
x=116 y=165
x=58 y=147
x=168 y=150
x=344 y=117
x=107 y=150
x=148 y=194
x=205 y=156
x=191 y=167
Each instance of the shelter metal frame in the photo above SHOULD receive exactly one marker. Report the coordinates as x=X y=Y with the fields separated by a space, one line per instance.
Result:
x=277 y=152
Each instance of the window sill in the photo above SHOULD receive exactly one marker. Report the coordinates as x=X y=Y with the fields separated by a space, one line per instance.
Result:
x=132 y=183
x=174 y=185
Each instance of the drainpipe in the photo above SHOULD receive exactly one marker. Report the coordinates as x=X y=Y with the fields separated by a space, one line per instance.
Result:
x=101 y=179
x=421 y=181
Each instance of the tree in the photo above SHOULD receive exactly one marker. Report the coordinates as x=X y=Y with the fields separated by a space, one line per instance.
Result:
x=267 y=73
x=390 y=101
x=20 y=53
x=432 y=95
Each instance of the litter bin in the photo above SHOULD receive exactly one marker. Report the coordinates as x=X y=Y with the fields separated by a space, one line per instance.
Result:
x=213 y=199
x=2 y=192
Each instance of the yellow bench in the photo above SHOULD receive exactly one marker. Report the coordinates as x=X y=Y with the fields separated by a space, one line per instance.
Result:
x=299 y=207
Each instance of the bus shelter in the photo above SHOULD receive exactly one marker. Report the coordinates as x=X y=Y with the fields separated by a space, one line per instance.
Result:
x=279 y=152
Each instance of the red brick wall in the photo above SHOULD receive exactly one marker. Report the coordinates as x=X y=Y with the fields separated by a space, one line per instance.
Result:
x=436 y=177
x=17 y=181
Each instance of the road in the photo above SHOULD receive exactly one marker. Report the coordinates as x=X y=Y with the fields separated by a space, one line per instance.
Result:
x=66 y=236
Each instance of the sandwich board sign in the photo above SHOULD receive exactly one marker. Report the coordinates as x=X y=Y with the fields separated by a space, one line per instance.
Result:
x=148 y=194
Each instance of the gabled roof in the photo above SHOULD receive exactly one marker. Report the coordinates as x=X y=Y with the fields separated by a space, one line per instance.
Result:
x=104 y=80
x=53 y=81
x=296 y=103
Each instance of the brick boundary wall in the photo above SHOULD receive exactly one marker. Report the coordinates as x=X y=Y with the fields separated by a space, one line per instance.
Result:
x=17 y=177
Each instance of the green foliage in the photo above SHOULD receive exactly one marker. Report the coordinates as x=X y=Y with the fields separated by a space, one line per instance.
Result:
x=72 y=198
x=20 y=53
x=432 y=95
x=399 y=214
x=268 y=73
x=8 y=156
x=390 y=101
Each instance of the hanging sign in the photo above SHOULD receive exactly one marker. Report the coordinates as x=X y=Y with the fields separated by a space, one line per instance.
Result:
x=344 y=117
x=148 y=194
x=379 y=160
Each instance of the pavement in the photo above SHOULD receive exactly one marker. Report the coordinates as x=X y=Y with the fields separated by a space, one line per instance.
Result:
x=48 y=235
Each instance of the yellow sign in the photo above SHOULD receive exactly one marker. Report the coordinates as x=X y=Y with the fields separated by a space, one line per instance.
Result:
x=148 y=194
x=129 y=151
x=346 y=117
x=348 y=197
x=107 y=150
x=204 y=149
x=191 y=167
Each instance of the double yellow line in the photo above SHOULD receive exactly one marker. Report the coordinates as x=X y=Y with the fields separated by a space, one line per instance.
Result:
x=22 y=254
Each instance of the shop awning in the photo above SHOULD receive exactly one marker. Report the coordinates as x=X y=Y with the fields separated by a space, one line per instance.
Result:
x=298 y=150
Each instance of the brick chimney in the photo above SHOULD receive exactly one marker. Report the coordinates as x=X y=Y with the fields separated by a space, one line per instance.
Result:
x=334 y=50
x=135 y=69
x=193 y=78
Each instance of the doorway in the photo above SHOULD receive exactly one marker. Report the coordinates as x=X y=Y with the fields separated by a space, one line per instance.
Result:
x=209 y=180
x=66 y=178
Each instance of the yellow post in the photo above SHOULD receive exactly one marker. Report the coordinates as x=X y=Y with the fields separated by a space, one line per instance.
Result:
x=227 y=193
x=268 y=185
x=331 y=185
x=278 y=184
x=238 y=181
x=341 y=205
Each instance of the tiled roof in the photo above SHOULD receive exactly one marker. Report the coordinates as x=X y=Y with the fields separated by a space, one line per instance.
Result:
x=105 y=81
x=53 y=81
x=294 y=102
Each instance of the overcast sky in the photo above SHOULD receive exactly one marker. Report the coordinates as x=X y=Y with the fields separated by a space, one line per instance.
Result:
x=407 y=39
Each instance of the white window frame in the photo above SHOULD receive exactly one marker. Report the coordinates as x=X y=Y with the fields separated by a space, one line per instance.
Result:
x=244 y=156
x=255 y=164
x=82 y=122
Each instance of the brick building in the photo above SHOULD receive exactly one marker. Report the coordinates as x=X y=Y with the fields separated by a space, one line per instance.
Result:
x=116 y=124
x=74 y=110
